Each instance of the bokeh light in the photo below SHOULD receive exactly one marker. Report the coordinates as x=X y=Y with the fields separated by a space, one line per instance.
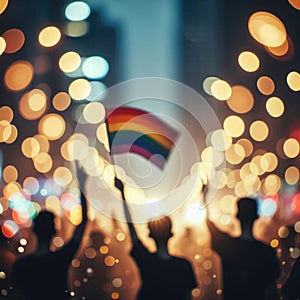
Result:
x=18 y=75
x=52 y=203
x=102 y=134
x=61 y=101
x=212 y=156
x=5 y=131
x=259 y=130
x=296 y=204
x=76 y=29
x=267 y=29
x=221 y=140
x=241 y=99
x=14 y=39
x=293 y=81
x=43 y=142
x=275 y=107
x=37 y=100
x=30 y=147
x=13 y=135
x=207 y=83
x=272 y=184
x=291 y=148
x=247 y=145
x=77 y=11
x=92 y=162
x=10 y=189
x=79 y=89
x=280 y=50
x=95 y=67
x=70 y=61
x=43 y=162
x=2 y=45
x=94 y=113
x=52 y=126
x=32 y=108
x=62 y=176
x=283 y=232
x=292 y=175
x=221 y=89
x=49 y=36
x=115 y=295
x=255 y=166
x=6 y=114
x=109 y=261
x=274 y=243
x=234 y=126
x=10 y=174
x=235 y=154
x=76 y=147
x=31 y=185
x=268 y=207
x=9 y=228
x=295 y=4
x=3 y=5
x=265 y=85
x=268 y=162
x=248 y=61
x=98 y=91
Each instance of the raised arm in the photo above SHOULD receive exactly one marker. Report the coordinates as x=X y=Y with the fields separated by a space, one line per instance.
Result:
x=78 y=232
x=134 y=238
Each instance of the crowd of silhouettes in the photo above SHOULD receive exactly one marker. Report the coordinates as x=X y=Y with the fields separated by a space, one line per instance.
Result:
x=250 y=268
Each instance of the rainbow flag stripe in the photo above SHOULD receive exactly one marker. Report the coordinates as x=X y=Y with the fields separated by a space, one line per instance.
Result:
x=137 y=131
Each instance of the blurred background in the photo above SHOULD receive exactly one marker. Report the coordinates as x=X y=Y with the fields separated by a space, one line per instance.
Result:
x=59 y=62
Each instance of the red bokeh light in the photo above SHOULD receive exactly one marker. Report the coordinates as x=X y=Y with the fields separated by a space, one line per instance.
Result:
x=296 y=204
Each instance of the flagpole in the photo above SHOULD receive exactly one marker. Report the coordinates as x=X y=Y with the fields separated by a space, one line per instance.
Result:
x=125 y=205
x=111 y=160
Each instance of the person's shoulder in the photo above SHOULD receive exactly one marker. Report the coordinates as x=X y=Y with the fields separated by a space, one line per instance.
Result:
x=139 y=248
x=138 y=245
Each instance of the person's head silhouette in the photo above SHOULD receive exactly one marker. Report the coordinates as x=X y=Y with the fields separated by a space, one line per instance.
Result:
x=160 y=229
x=44 y=226
x=247 y=211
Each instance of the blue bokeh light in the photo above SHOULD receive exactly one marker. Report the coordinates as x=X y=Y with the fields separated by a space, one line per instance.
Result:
x=77 y=11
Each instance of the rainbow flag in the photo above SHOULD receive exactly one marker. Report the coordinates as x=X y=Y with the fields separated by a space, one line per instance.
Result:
x=140 y=132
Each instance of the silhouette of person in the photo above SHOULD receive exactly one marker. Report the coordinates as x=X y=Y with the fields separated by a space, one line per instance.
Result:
x=249 y=266
x=163 y=276
x=43 y=274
